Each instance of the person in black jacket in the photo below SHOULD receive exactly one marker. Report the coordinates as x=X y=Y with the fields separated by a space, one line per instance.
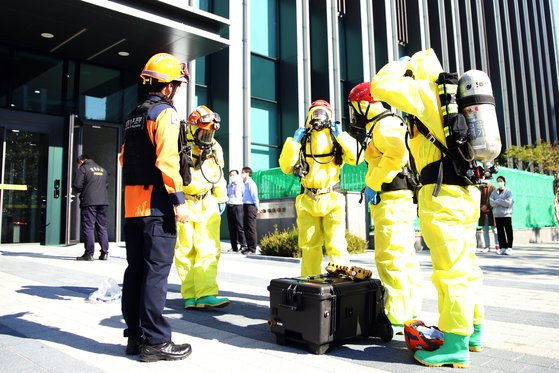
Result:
x=91 y=182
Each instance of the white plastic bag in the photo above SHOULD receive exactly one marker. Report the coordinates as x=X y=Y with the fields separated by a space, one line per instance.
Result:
x=109 y=291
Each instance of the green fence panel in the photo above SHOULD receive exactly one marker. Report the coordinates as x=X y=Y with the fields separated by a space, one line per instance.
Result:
x=533 y=198
x=532 y=193
x=274 y=183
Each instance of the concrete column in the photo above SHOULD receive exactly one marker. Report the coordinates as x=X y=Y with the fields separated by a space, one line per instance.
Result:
x=334 y=60
x=303 y=59
x=239 y=141
x=367 y=39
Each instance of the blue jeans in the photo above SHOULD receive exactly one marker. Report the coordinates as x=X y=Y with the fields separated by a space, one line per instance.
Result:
x=485 y=219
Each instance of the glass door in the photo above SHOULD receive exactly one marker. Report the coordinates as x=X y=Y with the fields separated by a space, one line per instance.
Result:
x=99 y=141
x=24 y=186
x=75 y=132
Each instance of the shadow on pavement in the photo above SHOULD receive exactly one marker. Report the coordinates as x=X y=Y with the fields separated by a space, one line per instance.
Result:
x=37 y=255
x=249 y=320
x=56 y=292
x=548 y=271
x=394 y=351
x=38 y=331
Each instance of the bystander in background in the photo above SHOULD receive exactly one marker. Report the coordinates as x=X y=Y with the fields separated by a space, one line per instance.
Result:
x=235 y=214
x=486 y=218
x=501 y=201
x=250 y=210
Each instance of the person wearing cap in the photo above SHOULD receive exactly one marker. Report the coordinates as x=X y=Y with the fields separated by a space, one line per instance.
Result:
x=153 y=203
x=316 y=153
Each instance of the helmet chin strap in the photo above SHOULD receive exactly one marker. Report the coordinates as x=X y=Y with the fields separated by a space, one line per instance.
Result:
x=173 y=91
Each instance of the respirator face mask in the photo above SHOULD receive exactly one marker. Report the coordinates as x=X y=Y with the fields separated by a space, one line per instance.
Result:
x=320 y=119
x=207 y=125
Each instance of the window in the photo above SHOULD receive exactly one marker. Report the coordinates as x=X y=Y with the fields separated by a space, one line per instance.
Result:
x=263 y=27
x=130 y=93
x=37 y=83
x=263 y=78
x=100 y=93
x=264 y=132
x=4 y=83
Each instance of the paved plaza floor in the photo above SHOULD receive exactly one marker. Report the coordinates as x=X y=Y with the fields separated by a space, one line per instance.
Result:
x=47 y=326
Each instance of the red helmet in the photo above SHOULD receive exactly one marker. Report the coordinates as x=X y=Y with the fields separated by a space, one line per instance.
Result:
x=421 y=337
x=324 y=103
x=362 y=92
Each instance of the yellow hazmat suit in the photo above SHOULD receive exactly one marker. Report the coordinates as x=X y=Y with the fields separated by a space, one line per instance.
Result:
x=448 y=222
x=393 y=216
x=198 y=243
x=320 y=209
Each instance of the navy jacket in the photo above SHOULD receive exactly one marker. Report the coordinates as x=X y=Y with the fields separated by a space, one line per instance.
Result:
x=91 y=182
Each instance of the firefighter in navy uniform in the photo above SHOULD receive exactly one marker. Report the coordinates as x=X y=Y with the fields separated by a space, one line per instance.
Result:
x=91 y=182
x=154 y=201
x=389 y=190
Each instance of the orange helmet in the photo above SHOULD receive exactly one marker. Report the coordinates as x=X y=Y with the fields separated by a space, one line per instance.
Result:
x=203 y=123
x=165 y=68
x=421 y=337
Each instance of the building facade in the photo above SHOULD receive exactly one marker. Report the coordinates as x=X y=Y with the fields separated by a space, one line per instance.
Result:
x=73 y=77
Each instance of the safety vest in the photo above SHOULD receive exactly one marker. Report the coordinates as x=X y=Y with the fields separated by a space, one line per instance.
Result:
x=138 y=165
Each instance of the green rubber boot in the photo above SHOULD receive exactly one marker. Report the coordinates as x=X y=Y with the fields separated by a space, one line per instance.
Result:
x=211 y=301
x=454 y=351
x=189 y=303
x=476 y=344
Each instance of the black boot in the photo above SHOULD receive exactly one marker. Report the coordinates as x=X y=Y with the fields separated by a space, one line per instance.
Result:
x=134 y=345
x=104 y=256
x=85 y=257
x=164 y=351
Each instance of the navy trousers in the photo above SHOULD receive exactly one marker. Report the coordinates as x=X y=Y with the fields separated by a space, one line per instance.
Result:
x=94 y=218
x=236 y=226
x=250 y=212
x=150 y=248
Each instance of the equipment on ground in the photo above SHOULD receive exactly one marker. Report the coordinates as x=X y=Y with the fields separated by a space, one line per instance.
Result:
x=418 y=336
x=318 y=311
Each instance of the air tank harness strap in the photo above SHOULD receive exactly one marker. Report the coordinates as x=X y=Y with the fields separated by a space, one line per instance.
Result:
x=196 y=197
x=442 y=171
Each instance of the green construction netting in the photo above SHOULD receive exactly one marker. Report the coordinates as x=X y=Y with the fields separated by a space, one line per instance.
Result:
x=533 y=198
x=532 y=192
x=274 y=183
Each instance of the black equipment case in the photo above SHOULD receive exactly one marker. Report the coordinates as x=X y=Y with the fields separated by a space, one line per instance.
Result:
x=324 y=309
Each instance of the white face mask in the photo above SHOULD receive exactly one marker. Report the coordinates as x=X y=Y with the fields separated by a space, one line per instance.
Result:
x=501 y=184
x=233 y=179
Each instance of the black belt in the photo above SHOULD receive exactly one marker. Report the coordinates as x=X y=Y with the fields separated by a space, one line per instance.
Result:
x=431 y=173
x=400 y=182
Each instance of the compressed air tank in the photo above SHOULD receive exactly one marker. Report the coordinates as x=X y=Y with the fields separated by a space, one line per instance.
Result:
x=476 y=103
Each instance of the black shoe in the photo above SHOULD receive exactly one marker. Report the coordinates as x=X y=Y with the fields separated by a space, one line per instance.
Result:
x=244 y=250
x=104 y=256
x=164 y=351
x=134 y=345
x=85 y=257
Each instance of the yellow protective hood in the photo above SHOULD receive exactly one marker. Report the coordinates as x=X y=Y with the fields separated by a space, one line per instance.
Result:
x=373 y=110
x=417 y=95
